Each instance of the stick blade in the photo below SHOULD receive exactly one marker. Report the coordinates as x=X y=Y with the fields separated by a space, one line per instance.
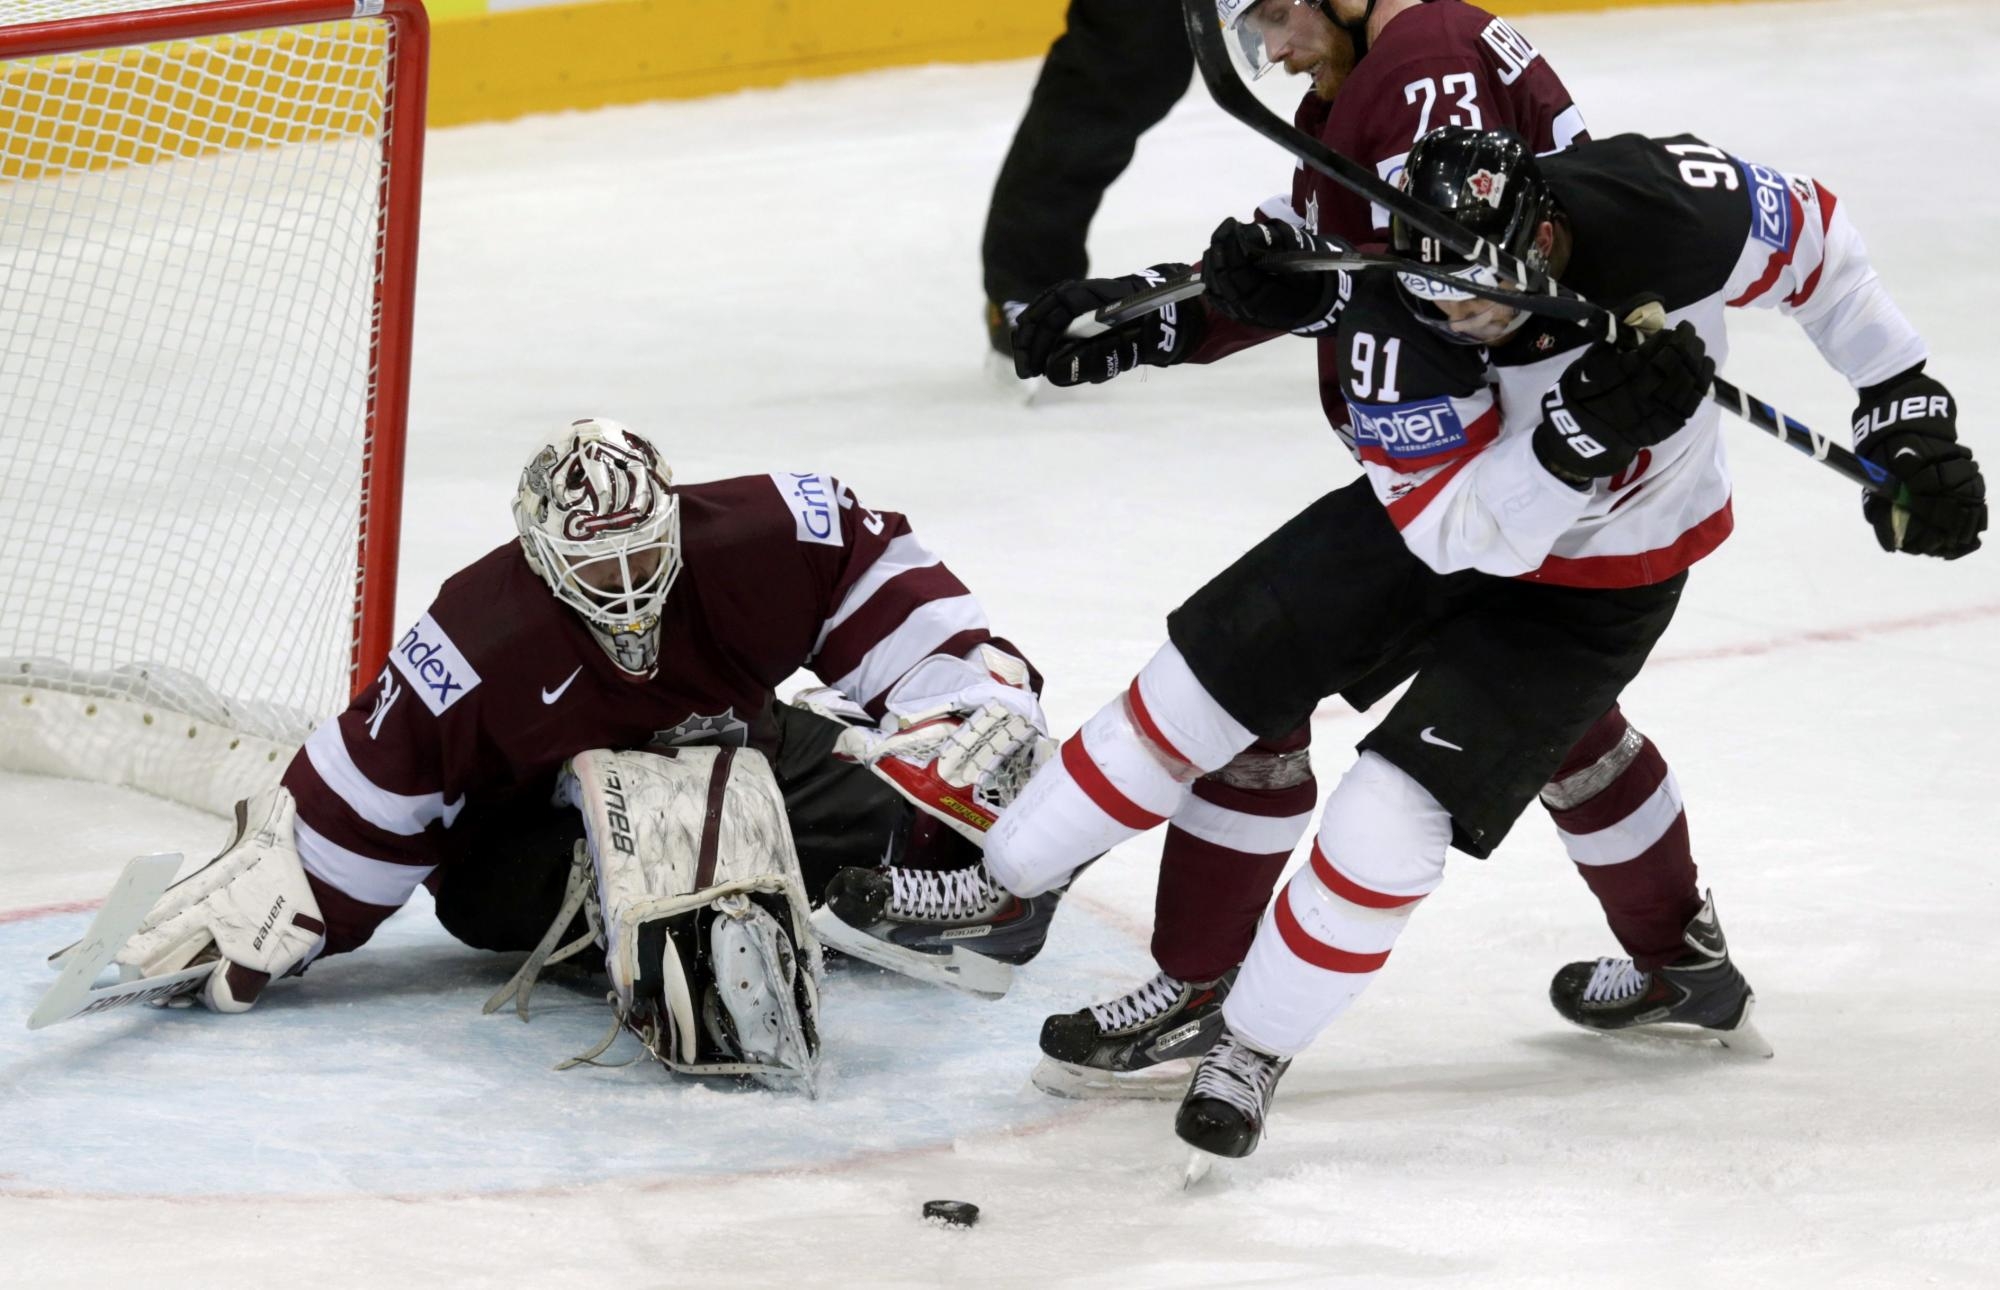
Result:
x=132 y=897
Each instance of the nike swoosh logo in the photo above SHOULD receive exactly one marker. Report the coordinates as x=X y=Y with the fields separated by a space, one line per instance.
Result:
x=1430 y=736
x=550 y=696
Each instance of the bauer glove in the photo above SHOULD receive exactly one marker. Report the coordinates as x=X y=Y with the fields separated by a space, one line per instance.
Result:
x=1043 y=345
x=1242 y=282
x=1612 y=402
x=1908 y=425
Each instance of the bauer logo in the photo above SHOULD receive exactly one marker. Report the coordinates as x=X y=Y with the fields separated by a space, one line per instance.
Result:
x=1408 y=430
x=1770 y=205
x=433 y=666
x=815 y=501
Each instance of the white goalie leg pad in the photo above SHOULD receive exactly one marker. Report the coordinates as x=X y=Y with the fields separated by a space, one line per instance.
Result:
x=1380 y=850
x=672 y=835
x=250 y=909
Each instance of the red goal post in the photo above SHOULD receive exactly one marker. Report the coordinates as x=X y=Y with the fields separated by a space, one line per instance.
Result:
x=208 y=233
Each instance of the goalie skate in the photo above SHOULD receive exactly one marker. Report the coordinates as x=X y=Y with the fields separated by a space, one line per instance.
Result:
x=753 y=1006
x=1699 y=996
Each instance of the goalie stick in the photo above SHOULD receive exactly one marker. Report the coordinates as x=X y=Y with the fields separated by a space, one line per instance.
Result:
x=1540 y=293
x=132 y=897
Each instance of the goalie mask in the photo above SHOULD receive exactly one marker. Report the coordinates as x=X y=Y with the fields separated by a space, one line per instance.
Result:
x=602 y=527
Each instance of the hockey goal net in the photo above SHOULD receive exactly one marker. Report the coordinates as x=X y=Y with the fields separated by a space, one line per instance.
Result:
x=207 y=252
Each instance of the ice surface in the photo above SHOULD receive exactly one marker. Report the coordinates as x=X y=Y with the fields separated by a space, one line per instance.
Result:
x=789 y=280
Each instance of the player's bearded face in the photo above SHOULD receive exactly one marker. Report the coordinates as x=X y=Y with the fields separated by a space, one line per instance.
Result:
x=1297 y=35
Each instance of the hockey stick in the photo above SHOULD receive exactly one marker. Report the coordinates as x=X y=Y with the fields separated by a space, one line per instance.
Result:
x=139 y=885
x=1541 y=293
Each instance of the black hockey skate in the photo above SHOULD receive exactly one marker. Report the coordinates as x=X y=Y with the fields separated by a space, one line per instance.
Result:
x=957 y=927
x=1225 y=1108
x=1144 y=1043
x=1699 y=995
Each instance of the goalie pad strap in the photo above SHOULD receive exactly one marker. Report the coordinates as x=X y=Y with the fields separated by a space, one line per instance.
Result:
x=711 y=824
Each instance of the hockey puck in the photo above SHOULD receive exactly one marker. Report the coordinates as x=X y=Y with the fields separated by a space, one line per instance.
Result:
x=952 y=1213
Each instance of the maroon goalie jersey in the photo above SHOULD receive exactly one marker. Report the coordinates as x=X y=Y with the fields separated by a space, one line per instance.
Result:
x=1441 y=63
x=499 y=683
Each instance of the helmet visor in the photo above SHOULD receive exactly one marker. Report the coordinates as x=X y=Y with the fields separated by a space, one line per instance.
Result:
x=1256 y=27
x=1460 y=315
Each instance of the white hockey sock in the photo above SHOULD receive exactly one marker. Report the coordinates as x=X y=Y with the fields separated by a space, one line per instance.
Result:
x=1128 y=769
x=1330 y=930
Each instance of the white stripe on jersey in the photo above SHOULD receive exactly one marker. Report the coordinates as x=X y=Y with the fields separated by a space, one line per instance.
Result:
x=900 y=556
x=1567 y=126
x=372 y=882
x=399 y=813
x=1625 y=840
x=1257 y=835
x=929 y=625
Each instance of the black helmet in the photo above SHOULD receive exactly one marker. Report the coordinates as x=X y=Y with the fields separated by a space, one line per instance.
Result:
x=1487 y=181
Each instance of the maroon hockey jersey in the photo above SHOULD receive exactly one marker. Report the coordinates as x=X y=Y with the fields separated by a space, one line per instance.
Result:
x=498 y=683
x=1441 y=63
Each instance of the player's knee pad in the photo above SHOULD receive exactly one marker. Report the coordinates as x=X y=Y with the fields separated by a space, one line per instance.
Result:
x=702 y=908
x=1383 y=831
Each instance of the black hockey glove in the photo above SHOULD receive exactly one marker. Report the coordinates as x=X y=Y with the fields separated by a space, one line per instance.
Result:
x=1612 y=402
x=1044 y=347
x=1242 y=284
x=1908 y=425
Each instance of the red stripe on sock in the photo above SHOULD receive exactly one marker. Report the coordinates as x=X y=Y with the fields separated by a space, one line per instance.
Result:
x=1316 y=952
x=1146 y=724
x=1076 y=760
x=1349 y=890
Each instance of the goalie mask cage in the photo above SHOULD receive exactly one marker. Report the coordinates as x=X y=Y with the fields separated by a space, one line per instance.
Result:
x=208 y=220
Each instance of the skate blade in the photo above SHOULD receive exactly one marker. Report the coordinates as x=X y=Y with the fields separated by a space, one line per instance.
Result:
x=1196 y=1168
x=960 y=969
x=1744 y=1038
x=1166 y=1081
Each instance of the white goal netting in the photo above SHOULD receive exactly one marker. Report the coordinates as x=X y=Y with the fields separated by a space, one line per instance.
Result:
x=191 y=293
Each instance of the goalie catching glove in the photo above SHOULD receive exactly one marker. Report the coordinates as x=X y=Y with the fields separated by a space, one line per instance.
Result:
x=960 y=743
x=250 y=911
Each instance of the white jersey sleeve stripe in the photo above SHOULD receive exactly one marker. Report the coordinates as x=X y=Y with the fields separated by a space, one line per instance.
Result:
x=928 y=626
x=372 y=882
x=902 y=555
x=403 y=814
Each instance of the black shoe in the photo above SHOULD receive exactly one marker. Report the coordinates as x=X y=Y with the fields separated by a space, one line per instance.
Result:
x=957 y=927
x=1230 y=1098
x=1699 y=994
x=1141 y=1044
